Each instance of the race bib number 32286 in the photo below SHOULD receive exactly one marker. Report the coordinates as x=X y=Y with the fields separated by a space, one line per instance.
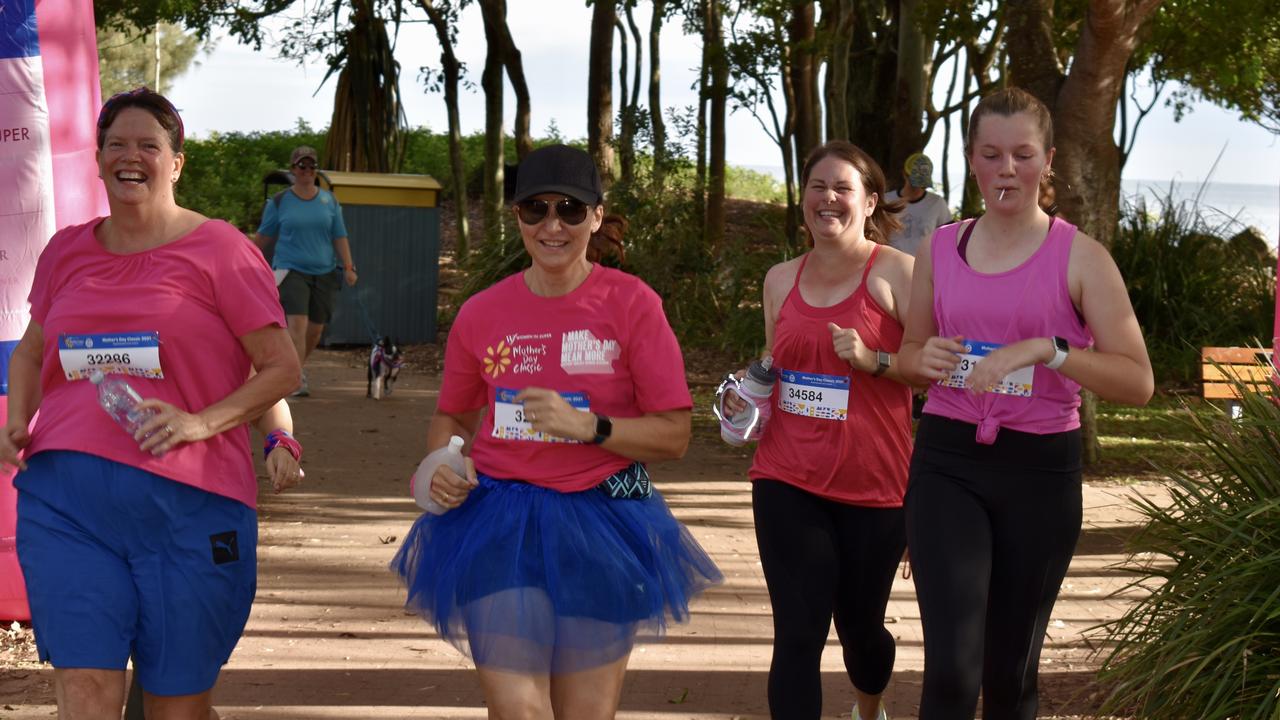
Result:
x=133 y=353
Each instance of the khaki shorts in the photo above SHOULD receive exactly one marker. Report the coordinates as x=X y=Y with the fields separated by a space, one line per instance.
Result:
x=310 y=295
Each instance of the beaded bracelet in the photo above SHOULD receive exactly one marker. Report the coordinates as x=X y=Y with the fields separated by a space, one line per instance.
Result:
x=281 y=438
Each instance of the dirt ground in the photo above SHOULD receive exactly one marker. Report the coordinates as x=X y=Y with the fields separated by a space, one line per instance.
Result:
x=328 y=637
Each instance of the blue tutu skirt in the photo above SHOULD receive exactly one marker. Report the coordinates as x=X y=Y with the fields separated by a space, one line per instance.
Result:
x=531 y=580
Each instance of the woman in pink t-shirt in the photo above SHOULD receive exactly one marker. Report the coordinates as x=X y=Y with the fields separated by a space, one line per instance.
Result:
x=143 y=545
x=564 y=379
x=831 y=466
x=1010 y=316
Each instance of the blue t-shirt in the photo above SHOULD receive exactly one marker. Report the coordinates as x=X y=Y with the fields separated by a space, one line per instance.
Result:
x=304 y=231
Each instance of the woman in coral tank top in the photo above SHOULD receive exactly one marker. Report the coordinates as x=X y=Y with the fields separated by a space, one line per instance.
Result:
x=831 y=468
x=1011 y=315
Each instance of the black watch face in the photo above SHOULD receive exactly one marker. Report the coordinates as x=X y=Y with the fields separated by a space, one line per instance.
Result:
x=604 y=426
x=1061 y=344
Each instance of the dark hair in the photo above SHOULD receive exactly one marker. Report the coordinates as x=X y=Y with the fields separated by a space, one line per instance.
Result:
x=158 y=105
x=883 y=220
x=608 y=239
x=1007 y=103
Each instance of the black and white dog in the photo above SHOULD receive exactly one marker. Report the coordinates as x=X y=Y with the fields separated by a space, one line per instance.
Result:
x=384 y=367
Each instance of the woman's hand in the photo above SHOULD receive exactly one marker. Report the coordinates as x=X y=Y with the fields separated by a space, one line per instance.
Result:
x=940 y=356
x=1002 y=361
x=449 y=489
x=850 y=348
x=13 y=438
x=283 y=470
x=551 y=414
x=169 y=428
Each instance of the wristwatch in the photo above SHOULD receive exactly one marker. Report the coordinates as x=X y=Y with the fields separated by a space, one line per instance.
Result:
x=1060 y=350
x=604 y=428
x=883 y=361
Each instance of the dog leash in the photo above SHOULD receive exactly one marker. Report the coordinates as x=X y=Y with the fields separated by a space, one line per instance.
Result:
x=364 y=313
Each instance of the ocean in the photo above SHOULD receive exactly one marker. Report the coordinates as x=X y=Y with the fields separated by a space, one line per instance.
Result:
x=1234 y=206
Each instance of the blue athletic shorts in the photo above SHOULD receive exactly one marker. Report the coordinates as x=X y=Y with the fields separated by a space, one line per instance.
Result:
x=118 y=561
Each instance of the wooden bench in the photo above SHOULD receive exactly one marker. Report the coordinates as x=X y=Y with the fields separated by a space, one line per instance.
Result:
x=1222 y=367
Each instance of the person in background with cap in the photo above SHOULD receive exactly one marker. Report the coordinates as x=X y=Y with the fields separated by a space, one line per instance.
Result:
x=925 y=211
x=305 y=222
x=554 y=552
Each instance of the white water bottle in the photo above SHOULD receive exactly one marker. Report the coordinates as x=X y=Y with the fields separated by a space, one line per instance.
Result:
x=420 y=485
x=756 y=389
x=120 y=401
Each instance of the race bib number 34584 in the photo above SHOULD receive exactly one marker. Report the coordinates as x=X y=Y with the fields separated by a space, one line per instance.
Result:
x=824 y=397
x=1018 y=383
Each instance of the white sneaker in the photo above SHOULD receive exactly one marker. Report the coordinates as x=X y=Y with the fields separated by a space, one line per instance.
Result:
x=303 y=390
x=879 y=716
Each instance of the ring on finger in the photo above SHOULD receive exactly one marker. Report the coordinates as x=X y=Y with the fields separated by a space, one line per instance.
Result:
x=168 y=429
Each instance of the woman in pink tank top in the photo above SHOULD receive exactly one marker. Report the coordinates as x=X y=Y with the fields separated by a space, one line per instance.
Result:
x=1010 y=316
x=831 y=468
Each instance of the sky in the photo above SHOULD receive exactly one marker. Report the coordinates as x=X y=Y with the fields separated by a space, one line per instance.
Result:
x=237 y=89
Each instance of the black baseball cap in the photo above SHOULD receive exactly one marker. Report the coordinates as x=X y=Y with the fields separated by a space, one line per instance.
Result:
x=559 y=169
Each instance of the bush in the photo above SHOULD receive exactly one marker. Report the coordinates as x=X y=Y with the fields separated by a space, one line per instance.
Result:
x=223 y=174
x=1204 y=644
x=1190 y=287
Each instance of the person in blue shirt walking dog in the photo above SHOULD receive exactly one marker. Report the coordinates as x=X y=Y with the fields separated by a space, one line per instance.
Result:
x=306 y=224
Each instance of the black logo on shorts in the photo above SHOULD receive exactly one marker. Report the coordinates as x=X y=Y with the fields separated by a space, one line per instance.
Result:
x=225 y=547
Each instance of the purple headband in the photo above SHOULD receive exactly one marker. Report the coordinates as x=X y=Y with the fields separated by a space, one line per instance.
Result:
x=141 y=92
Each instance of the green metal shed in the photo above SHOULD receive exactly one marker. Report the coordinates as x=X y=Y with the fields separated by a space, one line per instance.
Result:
x=393 y=222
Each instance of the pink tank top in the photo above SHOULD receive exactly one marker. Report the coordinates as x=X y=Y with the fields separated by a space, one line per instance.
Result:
x=859 y=453
x=1031 y=300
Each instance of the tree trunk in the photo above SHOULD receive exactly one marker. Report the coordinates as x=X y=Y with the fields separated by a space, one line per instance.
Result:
x=802 y=39
x=915 y=56
x=873 y=72
x=1083 y=103
x=658 y=128
x=700 y=124
x=514 y=64
x=600 y=88
x=837 y=30
x=494 y=139
x=629 y=88
x=719 y=95
x=452 y=77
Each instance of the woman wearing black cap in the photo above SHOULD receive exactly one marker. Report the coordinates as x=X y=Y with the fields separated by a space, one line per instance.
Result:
x=565 y=379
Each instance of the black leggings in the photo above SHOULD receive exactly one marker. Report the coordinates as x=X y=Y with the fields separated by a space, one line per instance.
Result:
x=822 y=558
x=991 y=530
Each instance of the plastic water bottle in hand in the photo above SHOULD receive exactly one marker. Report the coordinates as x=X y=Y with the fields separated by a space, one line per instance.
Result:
x=756 y=389
x=120 y=401
x=420 y=484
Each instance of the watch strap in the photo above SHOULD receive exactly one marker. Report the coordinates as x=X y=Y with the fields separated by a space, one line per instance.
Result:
x=604 y=429
x=883 y=361
x=1060 y=350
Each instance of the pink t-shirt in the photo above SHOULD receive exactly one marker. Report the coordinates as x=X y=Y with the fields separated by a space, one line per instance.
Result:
x=1029 y=301
x=606 y=345
x=201 y=293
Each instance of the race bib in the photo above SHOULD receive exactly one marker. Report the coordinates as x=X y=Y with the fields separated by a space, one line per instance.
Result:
x=1017 y=383
x=509 y=422
x=135 y=354
x=825 y=397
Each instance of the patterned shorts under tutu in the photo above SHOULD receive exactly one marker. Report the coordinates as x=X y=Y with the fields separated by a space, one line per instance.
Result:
x=531 y=580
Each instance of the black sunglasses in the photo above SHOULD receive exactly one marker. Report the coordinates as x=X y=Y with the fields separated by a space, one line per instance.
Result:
x=305 y=165
x=570 y=211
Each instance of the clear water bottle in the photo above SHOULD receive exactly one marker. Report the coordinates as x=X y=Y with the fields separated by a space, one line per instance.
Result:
x=420 y=484
x=756 y=388
x=120 y=401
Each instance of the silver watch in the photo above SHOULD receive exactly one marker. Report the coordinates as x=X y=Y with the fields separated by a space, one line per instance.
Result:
x=1060 y=350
